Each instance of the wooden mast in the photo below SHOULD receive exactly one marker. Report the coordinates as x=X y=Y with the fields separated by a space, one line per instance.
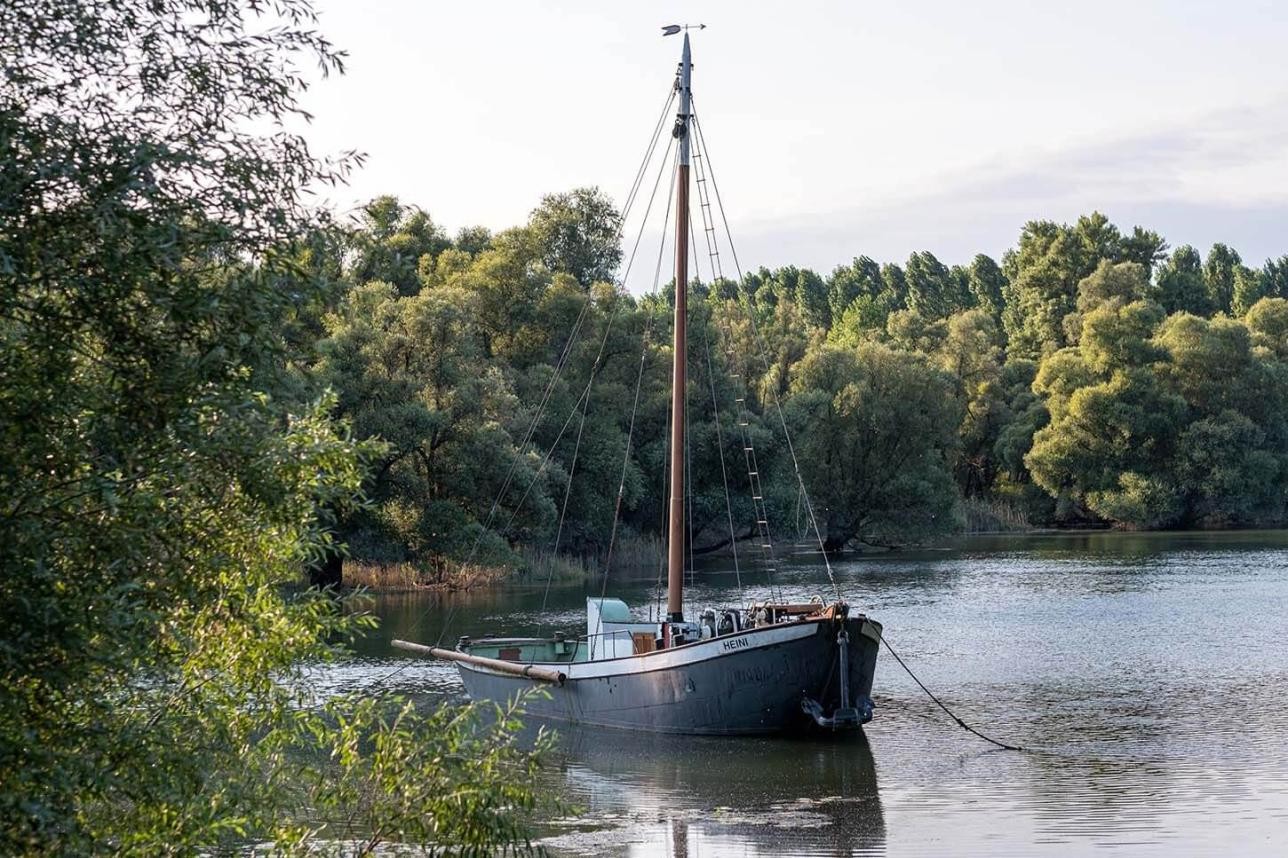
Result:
x=676 y=531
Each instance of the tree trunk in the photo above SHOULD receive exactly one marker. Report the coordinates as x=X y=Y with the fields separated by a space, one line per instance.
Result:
x=328 y=571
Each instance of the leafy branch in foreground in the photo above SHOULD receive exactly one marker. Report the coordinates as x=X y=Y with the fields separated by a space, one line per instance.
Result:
x=164 y=473
x=468 y=792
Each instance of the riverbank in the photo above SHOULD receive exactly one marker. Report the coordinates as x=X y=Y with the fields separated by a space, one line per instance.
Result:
x=529 y=566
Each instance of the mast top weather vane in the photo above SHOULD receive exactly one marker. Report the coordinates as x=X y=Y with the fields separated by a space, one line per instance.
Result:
x=672 y=29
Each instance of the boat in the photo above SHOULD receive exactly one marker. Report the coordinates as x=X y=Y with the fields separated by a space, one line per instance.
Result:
x=768 y=668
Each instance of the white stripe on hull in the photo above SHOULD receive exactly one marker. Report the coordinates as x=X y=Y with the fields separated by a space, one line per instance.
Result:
x=680 y=656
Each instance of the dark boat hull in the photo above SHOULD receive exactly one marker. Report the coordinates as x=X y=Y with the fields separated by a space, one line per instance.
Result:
x=747 y=683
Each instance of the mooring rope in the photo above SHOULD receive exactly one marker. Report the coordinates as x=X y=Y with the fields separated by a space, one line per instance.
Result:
x=951 y=714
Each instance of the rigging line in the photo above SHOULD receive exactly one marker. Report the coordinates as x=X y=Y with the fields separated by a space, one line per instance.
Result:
x=585 y=396
x=630 y=261
x=648 y=156
x=688 y=447
x=509 y=476
x=626 y=209
x=545 y=460
x=563 y=360
x=688 y=470
x=778 y=406
x=621 y=226
x=563 y=512
x=639 y=381
x=532 y=427
x=603 y=343
x=960 y=723
x=590 y=380
x=715 y=411
x=760 y=509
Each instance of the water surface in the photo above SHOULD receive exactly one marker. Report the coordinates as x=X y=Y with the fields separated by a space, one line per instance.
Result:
x=1150 y=671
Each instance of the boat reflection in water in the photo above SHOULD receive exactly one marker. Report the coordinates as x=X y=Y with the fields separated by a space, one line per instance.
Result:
x=681 y=795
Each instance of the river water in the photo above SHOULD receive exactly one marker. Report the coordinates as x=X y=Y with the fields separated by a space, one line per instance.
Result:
x=1149 y=671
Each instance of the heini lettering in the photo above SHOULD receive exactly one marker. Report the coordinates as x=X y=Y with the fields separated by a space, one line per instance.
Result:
x=736 y=643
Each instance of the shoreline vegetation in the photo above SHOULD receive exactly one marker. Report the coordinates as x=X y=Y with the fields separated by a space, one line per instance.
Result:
x=1093 y=377
x=531 y=567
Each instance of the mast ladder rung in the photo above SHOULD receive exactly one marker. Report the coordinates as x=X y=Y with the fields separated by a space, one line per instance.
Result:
x=762 y=521
x=757 y=497
x=752 y=473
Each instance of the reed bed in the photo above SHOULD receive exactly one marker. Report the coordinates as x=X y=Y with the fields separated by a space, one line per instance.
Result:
x=400 y=577
x=994 y=516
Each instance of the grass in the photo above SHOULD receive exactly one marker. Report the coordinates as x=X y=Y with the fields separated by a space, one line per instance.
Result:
x=537 y=567
x=531 y=566
x=994 y=516
x=402 y=577
x=633 y=552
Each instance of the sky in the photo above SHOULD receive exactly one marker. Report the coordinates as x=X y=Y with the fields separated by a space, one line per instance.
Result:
x=835 y=128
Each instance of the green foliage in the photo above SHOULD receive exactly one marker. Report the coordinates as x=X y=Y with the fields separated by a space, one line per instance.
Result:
x=1250 y=286
x=1164 y=421
x=1043 y=274
x=577 y=234
x=167 y=474
x=874 y=429
x=971 y=352
x=1079 y=325
x=414 y=373
x=1182 y=285
x=1218 y=277
x=1268 y=322
x=394 y=244
x=987 y=284
x=934 y=292
x=1082 y=325
x=849 y=283
x=467 y=790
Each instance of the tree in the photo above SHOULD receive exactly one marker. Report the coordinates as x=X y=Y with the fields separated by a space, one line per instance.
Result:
x=987 y=283
x=1044 y=271
x=971 y=353
x=933 y=291
x=1218 y=276
x=1275 y=272
x=578 y=234
x=874 y=430
x=1144 y=247
x=1113 y=426
x=1109 y=446
x=413 y=374
x=394 y=243
x=847 y=283
x=1268 y=322
x=896 y=285
x=1181 y=283
x=1250 y=286
x=163 y=490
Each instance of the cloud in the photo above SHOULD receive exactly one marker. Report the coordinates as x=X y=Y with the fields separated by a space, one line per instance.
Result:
x=1222 y=177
